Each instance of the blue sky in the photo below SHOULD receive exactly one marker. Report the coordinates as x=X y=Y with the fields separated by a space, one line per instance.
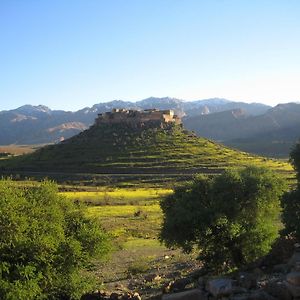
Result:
x=68 y=54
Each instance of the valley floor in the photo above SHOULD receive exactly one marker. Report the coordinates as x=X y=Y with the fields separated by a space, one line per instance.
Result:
x=139 y=261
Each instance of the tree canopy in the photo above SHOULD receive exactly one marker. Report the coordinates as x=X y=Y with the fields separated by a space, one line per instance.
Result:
x=233 y=218
x=295 y=159
x=45 y=241
x=291 y=200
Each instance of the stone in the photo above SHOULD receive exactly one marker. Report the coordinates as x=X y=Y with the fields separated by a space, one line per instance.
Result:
x=278 y=290
x=92 y=296
x=152 y=277
x=167 y=287
x=220 y=287
x=261 y=295
x=281 y=268
x=258 y=271
x=239 y=290
x=194 y=294
x=295 y=257
x=247 y=280
x=240 y=297
x=180 y=284
x=293 y=278
x=293 y=289
x=156 y=297
x=119 y=286
x=136 y=296
x=114 y=296
x=201 y=282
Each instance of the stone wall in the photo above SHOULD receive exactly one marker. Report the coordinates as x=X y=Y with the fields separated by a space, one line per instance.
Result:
x=138 y=118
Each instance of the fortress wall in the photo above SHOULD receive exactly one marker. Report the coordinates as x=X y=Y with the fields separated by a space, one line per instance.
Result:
x=168 y=118
x=137 y=118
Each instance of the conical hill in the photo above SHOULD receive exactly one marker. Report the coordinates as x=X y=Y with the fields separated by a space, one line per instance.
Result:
x=123 y=149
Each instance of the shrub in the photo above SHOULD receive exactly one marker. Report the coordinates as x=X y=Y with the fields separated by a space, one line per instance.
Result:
x=233 y=218
x=291 y=200
x=138 y=267
x=45 y=241
x=295 y=160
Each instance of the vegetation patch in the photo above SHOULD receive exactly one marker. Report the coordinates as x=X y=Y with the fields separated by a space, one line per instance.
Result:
x=45 y=243
x=118 y=149
x=233 y=219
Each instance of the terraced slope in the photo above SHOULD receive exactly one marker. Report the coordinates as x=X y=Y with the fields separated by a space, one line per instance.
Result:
x=118 y=149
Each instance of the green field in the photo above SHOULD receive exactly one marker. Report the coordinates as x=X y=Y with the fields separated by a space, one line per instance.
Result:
x=133 y=218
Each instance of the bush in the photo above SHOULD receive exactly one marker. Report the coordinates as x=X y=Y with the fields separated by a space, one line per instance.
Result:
x=295 y=160
x=45 y=241
x=233 y=218
x=291 y=200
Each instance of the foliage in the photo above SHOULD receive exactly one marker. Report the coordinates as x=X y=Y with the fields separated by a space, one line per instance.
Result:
x=138 y=267
x=291 y=200
x=45 y=241
x=118 y=196
x=295 y=159
x=291 y=213
x=232 y=218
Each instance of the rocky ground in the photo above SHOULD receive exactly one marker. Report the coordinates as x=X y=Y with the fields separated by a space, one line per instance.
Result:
x=276 y=277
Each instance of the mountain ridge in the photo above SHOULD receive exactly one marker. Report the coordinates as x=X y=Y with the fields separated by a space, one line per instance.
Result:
x=30 y=124
x=252 y=127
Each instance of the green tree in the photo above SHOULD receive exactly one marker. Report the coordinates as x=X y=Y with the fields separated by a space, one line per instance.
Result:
x=295 y=160
x=45 y=241
x=291 y=200
x=233 y=218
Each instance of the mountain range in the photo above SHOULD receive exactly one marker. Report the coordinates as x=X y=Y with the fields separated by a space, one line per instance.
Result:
x=253 y=127
x=272 y=133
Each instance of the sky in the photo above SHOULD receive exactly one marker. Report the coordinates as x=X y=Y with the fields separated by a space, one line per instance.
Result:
x=69 y=54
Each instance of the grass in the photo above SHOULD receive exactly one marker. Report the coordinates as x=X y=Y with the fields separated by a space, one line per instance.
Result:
x=123 y=210
x=133 y=218
x=18 y=149
x=117 y=196
x=122 y=150
x=130 y=215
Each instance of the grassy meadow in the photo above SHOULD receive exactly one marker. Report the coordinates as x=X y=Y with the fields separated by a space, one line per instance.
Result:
x=133 y=218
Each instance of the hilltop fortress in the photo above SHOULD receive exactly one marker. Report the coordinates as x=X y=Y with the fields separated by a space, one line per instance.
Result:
x=139 y=118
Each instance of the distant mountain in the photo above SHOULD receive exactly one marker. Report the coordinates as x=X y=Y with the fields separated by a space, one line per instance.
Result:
x=215 y=105
x=39 y=124
x=271 y=133
x=218 y=126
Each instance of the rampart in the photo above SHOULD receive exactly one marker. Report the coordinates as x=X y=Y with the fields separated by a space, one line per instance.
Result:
x=139 y=118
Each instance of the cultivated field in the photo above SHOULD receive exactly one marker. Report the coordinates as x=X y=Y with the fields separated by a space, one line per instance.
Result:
x=139 y=260
x=18 y=149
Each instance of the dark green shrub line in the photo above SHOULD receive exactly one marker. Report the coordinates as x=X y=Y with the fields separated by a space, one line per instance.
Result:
x=291 y=200
x=45 y=242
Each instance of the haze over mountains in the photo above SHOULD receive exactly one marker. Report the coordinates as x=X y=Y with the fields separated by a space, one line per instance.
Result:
x=252 y=127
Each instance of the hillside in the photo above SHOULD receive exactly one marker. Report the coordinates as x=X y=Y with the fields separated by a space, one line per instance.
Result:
x=119 y=148
x=39 y=124
x=272 y=133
